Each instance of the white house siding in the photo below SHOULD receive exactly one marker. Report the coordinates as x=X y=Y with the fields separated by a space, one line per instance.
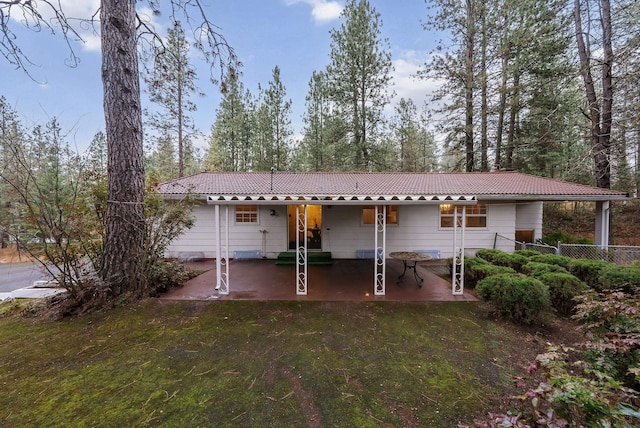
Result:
x=529 y=217
x=343 y=233
x=201 y=237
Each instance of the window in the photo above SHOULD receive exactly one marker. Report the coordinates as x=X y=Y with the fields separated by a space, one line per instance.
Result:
x=476 y=215
x=246 y=213
x=369 y=214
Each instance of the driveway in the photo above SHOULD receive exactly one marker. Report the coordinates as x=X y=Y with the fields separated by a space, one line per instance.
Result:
x=14 y=276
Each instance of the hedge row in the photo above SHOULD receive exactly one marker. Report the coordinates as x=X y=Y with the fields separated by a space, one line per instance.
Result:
x=599 y=275
x=564 y=278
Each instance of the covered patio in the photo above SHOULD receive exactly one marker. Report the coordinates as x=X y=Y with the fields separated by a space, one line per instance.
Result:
x=344 y=280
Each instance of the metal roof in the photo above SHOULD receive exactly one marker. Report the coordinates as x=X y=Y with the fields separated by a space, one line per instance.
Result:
x=377 y=187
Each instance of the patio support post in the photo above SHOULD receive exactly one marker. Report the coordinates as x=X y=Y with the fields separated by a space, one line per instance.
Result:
x=222 y=251
x=301 y=250
x=380 y=244
x=602 y=223
x=457 y=278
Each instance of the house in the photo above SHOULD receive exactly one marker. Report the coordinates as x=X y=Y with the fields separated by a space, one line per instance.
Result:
x=367 y=215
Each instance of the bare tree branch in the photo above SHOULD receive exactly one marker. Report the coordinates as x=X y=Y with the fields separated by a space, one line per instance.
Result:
x=43 y=15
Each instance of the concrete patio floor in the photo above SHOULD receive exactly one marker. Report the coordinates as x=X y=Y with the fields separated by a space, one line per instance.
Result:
x=344 y=280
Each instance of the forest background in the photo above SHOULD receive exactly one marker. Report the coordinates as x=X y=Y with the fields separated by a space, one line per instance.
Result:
x=547 y=87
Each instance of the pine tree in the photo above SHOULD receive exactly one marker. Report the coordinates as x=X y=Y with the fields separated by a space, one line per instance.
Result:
x=274 y=124
x=171 y=86
x=406 y=136
x=230 y=141
x=359 y=77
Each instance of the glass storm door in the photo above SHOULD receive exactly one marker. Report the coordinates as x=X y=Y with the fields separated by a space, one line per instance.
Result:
x=314 y=227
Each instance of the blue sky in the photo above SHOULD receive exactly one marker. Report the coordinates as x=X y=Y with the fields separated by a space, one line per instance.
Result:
x=292 y=34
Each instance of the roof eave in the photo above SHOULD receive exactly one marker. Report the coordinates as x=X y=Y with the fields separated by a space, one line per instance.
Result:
x=556 y=198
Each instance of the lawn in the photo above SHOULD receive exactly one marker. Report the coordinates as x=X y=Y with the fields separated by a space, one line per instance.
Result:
x=250 y=364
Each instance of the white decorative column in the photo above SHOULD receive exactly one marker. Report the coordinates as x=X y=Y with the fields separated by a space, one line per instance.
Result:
x=457 y=277
x=222 y=252
x=380 y=265
x=301 y=250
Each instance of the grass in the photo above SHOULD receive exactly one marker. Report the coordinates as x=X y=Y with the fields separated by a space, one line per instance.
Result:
x=233 y=363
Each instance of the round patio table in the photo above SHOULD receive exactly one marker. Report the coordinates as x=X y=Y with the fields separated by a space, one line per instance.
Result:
x=410 y=256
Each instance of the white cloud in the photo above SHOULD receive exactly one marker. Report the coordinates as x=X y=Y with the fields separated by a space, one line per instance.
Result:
x=407 y=85
x=80 y=15
x=323 y=11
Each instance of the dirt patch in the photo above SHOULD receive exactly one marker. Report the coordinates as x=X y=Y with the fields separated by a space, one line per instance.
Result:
x=12 y=255
x=306 y=400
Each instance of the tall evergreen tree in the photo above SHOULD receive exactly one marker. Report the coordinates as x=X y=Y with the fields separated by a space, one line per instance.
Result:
x=122 y=267
x=359 y=77
x=171 y=86
x=405 y=129
x=161 y=163
x=599 y=99
x=455 y=65
x=11 y=136
x=278 y=109
x=230 y=141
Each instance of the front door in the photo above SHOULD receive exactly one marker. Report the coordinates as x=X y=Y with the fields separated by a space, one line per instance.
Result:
x=314 y=227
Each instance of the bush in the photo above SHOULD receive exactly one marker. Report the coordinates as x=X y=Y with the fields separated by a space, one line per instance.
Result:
x=477 y=269
x=612 y=322
x=552 y=259
x=527 y=253
x=537 y=268
x=563 y=288
x=167 y=274
x=519 y=298
x=555 y=237
x=623 y=278
x=588 y=271
x=501 y=258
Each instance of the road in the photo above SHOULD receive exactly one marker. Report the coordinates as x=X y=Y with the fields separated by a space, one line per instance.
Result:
x=19 y=275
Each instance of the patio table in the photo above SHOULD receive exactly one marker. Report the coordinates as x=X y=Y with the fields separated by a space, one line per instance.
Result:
x=410 y=256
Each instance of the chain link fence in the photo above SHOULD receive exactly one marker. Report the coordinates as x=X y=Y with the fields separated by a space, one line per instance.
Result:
x=618 y=254
x=510 y=245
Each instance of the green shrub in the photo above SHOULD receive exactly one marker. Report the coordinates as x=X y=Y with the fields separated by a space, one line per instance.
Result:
x=167 y=274
x=563 y=287
x=623 y=278
x=552 y=259
x=477 y=269
x=555 y=237
x=527 y=253
x=519 y=298
x=502 y=258
x=537 y=268
x=588 y=271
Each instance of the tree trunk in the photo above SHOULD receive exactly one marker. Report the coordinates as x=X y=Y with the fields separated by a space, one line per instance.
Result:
x=484 y=103
x=469 y=83
x=502 y=108
x=124 y=222
x=600 y=116
x=513 y=112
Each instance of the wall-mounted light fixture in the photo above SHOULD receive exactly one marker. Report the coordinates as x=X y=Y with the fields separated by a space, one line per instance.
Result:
x=272 y=212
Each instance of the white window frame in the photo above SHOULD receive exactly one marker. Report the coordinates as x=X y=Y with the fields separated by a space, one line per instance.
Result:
x=372 y=207
x=470 y=212
x=246 y=213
